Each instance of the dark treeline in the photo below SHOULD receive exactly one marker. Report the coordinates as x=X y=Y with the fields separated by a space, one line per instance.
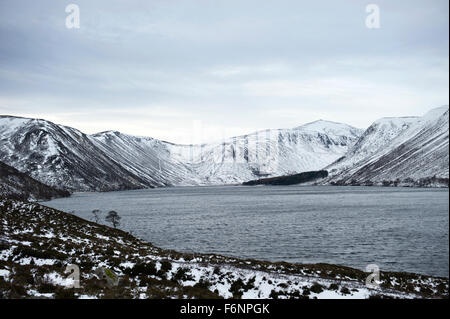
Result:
x=289 y=179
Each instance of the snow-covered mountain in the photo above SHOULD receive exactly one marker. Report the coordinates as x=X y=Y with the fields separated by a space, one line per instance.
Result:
x=146 y=157
x=65 y=157
x=412 y=150
x=391 y=149
x=268 y=153
x=61 y=156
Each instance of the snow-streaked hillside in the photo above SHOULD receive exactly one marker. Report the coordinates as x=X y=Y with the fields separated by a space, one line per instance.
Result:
x=268 y=153
x=407 y=149
x=235 y=160
x=65 y=157
x=61 y=156
x=146 y=157
x=17 y=185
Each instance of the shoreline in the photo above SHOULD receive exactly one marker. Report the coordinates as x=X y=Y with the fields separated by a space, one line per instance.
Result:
x=138 y=264
x=171 y=239
x=232 y=185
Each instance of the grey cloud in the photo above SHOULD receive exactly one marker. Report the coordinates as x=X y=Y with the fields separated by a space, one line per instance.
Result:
x=228 y=63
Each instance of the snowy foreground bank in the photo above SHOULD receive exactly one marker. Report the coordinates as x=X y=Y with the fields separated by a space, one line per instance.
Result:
x=37 y=243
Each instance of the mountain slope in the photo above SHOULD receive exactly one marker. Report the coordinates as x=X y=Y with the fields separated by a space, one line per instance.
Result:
x=61 y=156
x=412 y=150
x=409 y=148
x=235 y=160
x=17 y=185
x=146 y=157
x=268 y=153
x=65 y=157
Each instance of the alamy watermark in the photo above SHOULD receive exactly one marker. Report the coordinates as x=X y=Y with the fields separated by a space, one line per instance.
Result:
x=106 y=275
x=73 y=19
x=373 y=280
x=73 y=279
x=373 y=19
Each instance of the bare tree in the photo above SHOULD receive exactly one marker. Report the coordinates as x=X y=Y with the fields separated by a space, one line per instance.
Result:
x=113 y=218
x=96 y=213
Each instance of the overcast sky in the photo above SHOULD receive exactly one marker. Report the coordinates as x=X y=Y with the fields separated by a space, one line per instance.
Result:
x=162 y=68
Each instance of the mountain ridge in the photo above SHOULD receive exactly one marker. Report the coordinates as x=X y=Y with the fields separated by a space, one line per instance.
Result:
x=62 y=156
x=409 y=150
x=110 y=160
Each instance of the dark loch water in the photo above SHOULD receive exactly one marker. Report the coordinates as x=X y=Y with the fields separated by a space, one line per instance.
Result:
x=399 y=229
